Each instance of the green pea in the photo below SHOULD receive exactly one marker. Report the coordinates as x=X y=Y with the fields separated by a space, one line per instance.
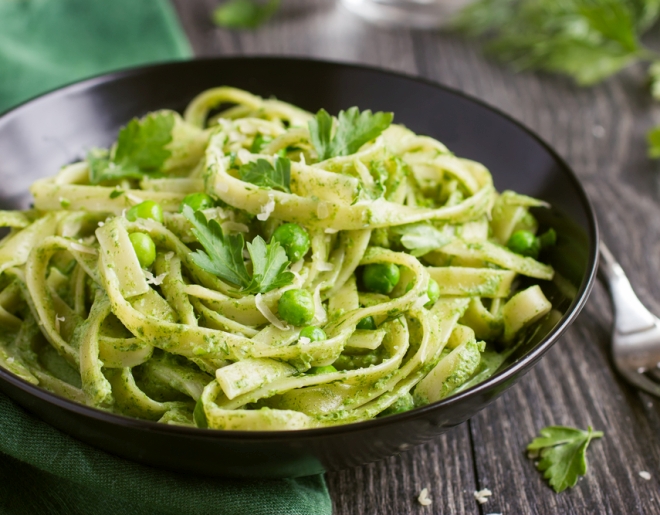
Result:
x=367 y=323
x=145 y=248
x=294 y=239
x=524 y=243
x=322 y=370
x=296 y=307
x=146 y=209
x=433 y=292
x=315 y=334
x=197 y=201
x=381 y=277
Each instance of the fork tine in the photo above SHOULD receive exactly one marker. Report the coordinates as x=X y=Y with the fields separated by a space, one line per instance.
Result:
x=636 y=331
x=641 y=381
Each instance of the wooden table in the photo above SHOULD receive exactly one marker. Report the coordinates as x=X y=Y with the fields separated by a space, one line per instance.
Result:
x=600 y=132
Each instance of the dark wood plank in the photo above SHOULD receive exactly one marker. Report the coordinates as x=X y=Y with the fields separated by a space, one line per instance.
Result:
x=444 y=466
x=600 y=132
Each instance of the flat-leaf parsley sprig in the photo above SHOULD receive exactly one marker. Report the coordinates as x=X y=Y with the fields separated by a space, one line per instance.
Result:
x=588 y=40
x=276 y=176
x=563 y=453
x=141 y=150
x=223 y=256
x=244 y=14
x=354 y=129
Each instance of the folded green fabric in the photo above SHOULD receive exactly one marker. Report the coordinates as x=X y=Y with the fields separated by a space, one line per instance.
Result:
x=48 y=43
x=45 y=44
x=44 y=471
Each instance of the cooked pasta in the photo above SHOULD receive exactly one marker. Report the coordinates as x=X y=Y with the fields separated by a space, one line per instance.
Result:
x=381 y=272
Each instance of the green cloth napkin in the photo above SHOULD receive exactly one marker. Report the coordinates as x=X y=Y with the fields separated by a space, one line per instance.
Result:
x=48 y=43
x=45 y=44
x=44 y=471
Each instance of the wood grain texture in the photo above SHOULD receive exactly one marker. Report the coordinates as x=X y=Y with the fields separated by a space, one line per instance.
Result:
x=600 y=132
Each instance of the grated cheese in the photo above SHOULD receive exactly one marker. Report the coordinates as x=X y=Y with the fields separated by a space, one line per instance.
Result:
x=645 y=475
x=424 y=498
x=58 y=319
x=267 y=208
x=303 y=340
x=330 y=230
x=482 y=495
x=156 y=280
x=266 y=312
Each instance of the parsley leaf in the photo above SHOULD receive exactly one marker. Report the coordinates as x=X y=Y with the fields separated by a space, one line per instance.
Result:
x=320 y=132
x=116 y=193
x=354 y=129
x=263 y=174
x=244 y=14
x=588 y=40
x=259 y=142
x=269 y=263
x=563 y=454
x=654 y=79
x=140 y=150
x=223 y=256
x=653 y=140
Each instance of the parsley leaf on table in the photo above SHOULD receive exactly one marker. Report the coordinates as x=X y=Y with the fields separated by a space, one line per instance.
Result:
x=223 y=256
x=261 y=173
x=588 y=40
x=563 y=454
x=653 y=139
x=244 y=14
x=354 y=129
x=141 y=149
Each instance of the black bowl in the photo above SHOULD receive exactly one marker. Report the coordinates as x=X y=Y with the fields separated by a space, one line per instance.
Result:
x=59 y=127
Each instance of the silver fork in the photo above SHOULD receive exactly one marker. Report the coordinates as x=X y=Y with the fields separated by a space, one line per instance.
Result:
x=636 y=333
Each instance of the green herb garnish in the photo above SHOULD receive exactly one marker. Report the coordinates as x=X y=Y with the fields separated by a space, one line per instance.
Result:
x=223 y=256
x=244 y=14
x=588 y=40
x=563 y=454
x=354 y=129
x=276 y=176
x=653 y=140
x=140 y=150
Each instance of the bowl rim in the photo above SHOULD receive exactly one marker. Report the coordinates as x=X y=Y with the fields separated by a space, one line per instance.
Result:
x=494 y=381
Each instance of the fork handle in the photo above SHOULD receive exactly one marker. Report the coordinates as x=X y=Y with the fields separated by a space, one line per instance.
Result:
x=630 y=315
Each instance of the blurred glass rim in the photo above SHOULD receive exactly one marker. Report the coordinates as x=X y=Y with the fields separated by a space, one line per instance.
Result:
x=419 y=14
